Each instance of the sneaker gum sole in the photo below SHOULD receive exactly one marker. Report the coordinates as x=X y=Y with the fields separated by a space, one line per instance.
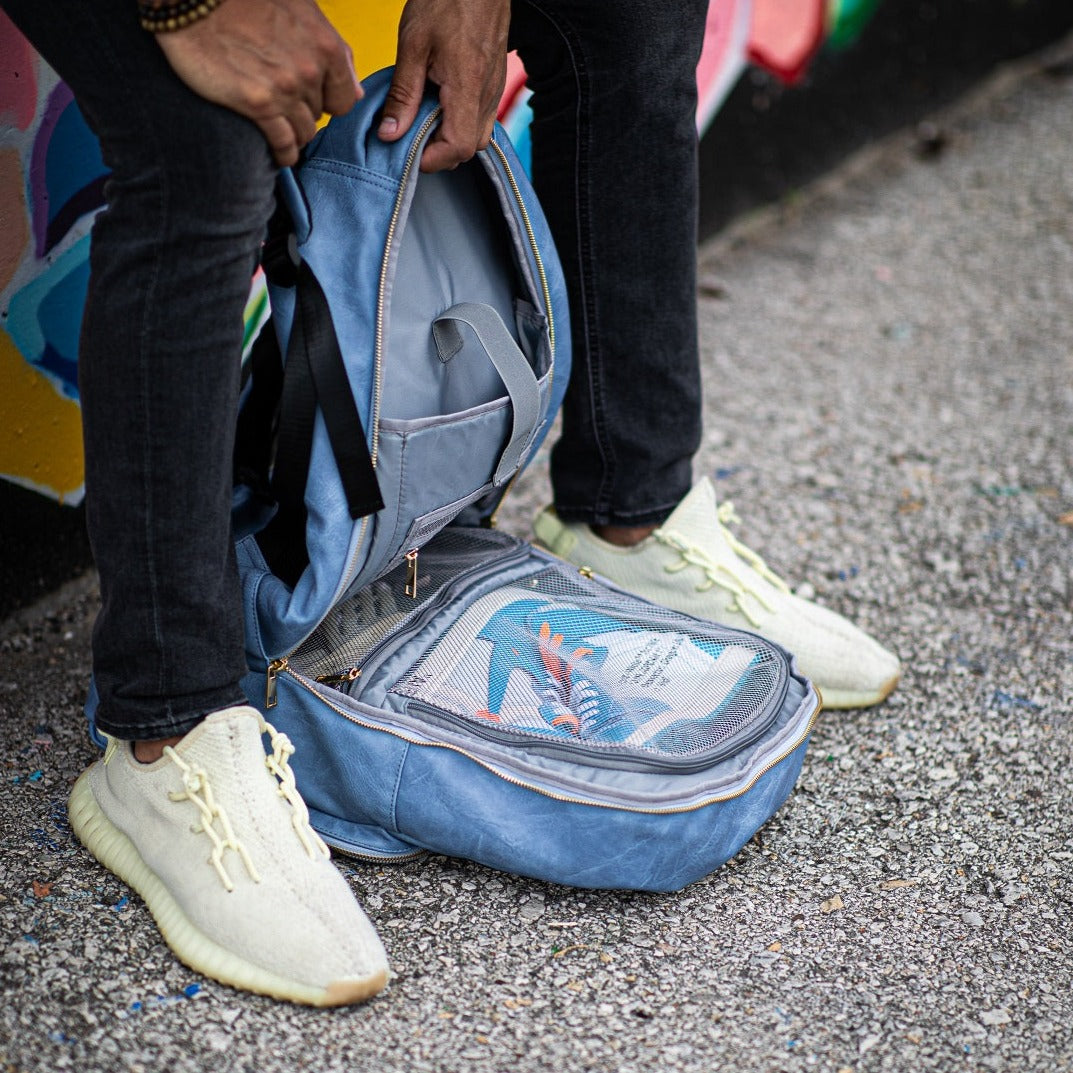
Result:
x=117 y=853
x=845 y=699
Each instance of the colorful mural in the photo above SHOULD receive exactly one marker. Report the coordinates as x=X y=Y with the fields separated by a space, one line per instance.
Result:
x=51 y=175
x=52 y=179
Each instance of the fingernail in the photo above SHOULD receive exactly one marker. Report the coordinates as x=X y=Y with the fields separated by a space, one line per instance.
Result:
x=388 y=126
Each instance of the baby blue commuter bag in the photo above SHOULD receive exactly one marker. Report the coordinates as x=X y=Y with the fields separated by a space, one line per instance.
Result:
x=447 y=687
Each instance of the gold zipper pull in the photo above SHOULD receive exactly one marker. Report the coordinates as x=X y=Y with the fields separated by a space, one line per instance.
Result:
x=411 y=574
x=341 y=678
x=274 y=668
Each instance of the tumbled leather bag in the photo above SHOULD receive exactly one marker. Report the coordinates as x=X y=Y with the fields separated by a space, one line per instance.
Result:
x=448 y=687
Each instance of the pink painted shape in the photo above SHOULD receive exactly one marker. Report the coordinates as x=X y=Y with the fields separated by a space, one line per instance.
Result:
x=785 y=35
x=15 y=234
x=514 y=87
x=18 y=76
x=723 y=57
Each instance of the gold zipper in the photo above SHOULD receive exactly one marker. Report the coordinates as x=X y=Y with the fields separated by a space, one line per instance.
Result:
x=410 y=588
x=274 y=667
x=782 y=756
x=494 y=516
x=370 y=858
x=402 y=736
x=532 y=239
x=341 y=678
x=378 y=352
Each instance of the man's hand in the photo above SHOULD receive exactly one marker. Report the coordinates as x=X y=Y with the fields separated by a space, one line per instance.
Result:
x=461 y=45
x=277 y=62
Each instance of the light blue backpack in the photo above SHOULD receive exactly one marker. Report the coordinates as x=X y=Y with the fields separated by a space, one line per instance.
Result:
x=448 y=687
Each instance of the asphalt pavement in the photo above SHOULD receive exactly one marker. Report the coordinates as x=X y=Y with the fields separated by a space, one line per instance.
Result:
x=889 y=394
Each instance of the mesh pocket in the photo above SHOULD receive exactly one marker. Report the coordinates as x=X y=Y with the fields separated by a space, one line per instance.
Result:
x=556 y=658
x=355 y=628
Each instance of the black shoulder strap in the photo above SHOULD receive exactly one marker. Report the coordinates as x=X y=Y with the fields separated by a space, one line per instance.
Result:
x=281 y=410
x=315 y=376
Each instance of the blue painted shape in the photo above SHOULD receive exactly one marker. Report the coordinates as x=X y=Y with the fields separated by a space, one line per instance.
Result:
x=517 y=123
x=67 y=171
x=73 y=160
x=45 y=317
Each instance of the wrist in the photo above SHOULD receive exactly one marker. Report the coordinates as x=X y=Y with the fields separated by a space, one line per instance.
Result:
x=167 y=16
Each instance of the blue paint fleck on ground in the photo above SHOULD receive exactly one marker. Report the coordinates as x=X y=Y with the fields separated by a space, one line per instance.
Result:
x=1001 y=699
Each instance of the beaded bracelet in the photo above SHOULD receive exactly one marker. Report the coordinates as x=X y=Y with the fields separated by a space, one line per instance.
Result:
x=171 y=17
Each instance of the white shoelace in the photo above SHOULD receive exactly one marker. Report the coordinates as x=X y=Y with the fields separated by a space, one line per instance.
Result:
x=720 y=573
x=277 y=763
x=198 y=790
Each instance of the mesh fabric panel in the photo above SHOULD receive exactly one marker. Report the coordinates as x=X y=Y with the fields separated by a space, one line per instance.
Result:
x=560 y=657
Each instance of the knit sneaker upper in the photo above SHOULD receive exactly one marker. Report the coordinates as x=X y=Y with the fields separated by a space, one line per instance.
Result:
x=216 y=838
x=693 y=563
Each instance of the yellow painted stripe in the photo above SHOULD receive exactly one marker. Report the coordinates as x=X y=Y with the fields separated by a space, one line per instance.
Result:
x=371 y=30
x=40 y=429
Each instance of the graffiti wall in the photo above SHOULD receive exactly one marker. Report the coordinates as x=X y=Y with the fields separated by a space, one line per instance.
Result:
x=51 y=178
x=52 y=181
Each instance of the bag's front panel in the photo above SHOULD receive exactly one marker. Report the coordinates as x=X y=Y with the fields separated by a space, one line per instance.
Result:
x=451 y=805
x=373 y=794
x=393 y=249
x=507 y=646
x=557 y=662
x=448 y=415
x=599 y=771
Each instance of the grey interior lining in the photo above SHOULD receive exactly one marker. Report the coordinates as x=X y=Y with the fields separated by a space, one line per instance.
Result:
x=454 y=247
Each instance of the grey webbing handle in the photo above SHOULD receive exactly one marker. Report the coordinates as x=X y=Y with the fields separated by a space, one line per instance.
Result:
x=503 y=352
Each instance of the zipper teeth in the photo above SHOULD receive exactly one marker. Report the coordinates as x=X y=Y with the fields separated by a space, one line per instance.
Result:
x=543 y=286
x=532 y=238
x=551 y=793
x=415 y=148
x=783 y=755
x=378 y=353
x=372 y=858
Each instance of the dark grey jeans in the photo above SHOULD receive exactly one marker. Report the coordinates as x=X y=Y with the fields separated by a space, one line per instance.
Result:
x=190 y=191
x=615 y=167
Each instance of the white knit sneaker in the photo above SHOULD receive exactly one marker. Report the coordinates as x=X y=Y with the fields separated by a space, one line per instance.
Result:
x=216 y=839
x=694 y=564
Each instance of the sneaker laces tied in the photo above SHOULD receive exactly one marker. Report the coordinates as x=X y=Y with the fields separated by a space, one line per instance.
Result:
x=277 y=763
x=718 y=574
x=726 y=515
x=198 y=790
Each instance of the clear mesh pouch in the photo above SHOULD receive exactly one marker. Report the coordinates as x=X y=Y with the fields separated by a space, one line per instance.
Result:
x=357 y=629
x=553 y=661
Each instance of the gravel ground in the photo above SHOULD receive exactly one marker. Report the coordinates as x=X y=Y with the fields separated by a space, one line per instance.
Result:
x=889 y=387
